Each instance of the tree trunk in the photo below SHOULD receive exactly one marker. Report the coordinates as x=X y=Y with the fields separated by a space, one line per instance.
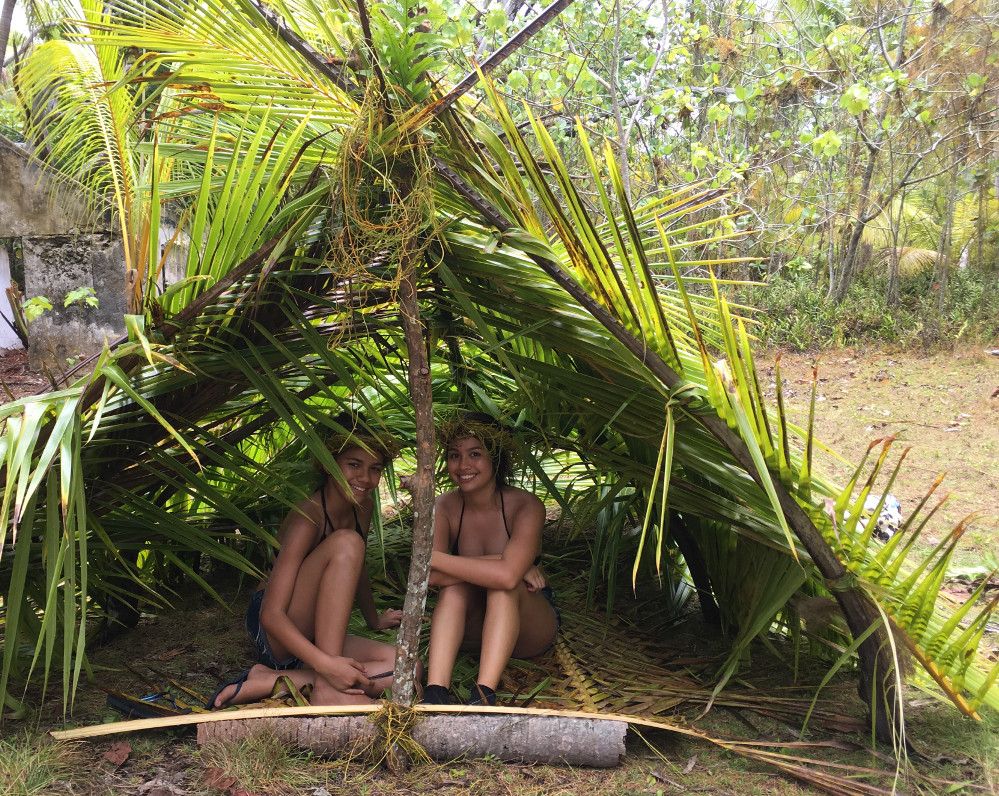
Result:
x=422 y=489
x=622 y=147
x=698 y=569
x=6 y=16
x=839 y=290
x=550 y=740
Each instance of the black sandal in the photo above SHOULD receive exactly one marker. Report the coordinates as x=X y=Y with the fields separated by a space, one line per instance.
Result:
x=237 y=681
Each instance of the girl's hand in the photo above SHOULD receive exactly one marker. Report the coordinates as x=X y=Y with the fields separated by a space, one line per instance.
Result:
x=388 y=619
x=535 y=578
x=344 y=674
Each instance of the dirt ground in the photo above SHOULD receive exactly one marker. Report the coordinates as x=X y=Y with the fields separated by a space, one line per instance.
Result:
x=943 y=408
x=17 y=380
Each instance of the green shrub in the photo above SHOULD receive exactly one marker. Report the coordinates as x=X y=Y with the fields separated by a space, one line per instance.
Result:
x=793 y=312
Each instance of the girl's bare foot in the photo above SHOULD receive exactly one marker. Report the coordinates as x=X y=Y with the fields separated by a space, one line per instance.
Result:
x=258 y=685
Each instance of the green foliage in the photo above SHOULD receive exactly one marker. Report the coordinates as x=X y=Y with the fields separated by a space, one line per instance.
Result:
x=794 y=311
x=35 y=307
x=82 y=295
x=199 y=425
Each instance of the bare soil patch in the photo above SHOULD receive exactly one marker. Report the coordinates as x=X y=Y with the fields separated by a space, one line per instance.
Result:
x=942 y=408
x=17 y=379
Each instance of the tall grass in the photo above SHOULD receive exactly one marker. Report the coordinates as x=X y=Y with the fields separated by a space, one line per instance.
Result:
x=32 y=765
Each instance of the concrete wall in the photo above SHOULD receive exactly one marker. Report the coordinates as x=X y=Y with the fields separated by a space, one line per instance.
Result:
x=66 y=246
x=57 y=264
x=32 y=202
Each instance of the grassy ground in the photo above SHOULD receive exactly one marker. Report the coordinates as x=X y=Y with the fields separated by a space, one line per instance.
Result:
x=940 y=405
x=200 y=641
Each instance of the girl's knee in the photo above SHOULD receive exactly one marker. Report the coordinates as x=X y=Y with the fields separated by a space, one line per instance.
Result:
x=504 y=597
x=456 y=593
x=344 y=545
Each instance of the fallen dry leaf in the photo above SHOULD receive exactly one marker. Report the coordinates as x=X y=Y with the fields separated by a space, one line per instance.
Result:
x=218 y=779
x=118 y=753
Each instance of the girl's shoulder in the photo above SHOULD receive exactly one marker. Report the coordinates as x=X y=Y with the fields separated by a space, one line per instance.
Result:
x=301 y=521
x=447 y=500
x=307 y=511
x=518 y=499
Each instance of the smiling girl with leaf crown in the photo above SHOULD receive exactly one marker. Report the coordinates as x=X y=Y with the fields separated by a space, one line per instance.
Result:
x=487 y=536
x=298 y=618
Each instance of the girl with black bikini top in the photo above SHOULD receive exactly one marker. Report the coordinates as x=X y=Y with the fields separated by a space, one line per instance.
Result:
x=299 y=621
x=490 y=594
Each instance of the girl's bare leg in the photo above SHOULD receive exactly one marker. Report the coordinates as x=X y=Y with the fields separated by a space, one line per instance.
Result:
x=447 y=630
x=500 y=629
x=322 y=603
x=325 y=589
x=517 y=622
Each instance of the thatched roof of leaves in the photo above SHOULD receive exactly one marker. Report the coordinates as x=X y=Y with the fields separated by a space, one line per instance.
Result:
x=323 y=212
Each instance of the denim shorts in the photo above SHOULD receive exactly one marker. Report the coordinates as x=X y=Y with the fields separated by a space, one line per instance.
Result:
x=549 y=594
x=265 y=654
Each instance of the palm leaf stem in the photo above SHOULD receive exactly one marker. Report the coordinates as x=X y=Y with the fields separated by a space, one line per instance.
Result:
x=505 y=51
x=333 y=73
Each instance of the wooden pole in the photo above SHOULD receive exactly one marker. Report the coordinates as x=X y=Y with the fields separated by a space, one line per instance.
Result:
x=421 y=487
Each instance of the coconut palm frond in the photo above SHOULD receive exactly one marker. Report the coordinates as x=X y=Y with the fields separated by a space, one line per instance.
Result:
x=904 y=221
x=911 y=261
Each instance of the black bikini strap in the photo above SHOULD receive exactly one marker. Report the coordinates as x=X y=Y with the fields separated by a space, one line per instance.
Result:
x=503 y=512
x=461 y=519
x=329 y=523
x=328 y=526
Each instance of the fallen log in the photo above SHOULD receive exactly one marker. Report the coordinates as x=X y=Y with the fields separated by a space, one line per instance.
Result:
x=511 y=734
x=553 y=740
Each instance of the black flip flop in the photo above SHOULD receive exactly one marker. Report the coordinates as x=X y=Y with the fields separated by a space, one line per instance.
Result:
x=148 y=707
x=237 y=681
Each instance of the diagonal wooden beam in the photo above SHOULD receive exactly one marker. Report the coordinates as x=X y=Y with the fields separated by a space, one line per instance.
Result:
x=317 y=60
x=512 y=45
